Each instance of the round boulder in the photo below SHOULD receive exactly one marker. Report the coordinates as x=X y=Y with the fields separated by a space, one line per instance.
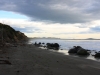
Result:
x=97 y=55
x=82 y=52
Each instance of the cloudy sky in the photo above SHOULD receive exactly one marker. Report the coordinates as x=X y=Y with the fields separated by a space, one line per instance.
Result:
x=76 y=19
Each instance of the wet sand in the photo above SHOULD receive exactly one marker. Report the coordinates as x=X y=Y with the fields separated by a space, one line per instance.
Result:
x=30 y=60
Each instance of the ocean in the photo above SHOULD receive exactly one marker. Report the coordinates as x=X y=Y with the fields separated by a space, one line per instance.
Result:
x=93 y=45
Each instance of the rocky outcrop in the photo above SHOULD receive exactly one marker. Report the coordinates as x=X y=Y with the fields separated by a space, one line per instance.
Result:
x=74 y=49
x=97 y=55
x=9 y=35
x=78 y=50
x=54 y=46
x=82 y=52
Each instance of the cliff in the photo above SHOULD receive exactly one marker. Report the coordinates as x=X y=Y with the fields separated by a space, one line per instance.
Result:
x=10 y=35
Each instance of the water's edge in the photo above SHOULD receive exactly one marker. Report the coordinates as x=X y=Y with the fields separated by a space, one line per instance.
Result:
x=67 y=44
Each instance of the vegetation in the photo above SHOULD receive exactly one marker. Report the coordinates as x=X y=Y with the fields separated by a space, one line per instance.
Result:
x=9 y=35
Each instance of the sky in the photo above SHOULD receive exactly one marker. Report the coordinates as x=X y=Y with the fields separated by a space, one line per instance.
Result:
x=68 y=19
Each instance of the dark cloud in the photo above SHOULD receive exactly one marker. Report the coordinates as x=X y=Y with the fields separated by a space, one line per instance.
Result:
x=58 y=11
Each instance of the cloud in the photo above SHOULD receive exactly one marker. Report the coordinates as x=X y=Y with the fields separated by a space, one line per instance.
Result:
x=28 y=29
x=57 y=11
x=23 y=25
x=26 y=26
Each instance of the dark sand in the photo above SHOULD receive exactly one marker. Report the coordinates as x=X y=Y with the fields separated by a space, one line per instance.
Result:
x=30 y=60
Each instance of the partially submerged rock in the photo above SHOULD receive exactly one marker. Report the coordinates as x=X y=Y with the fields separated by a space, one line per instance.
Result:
x=74 y=49
x=82 y=52
x=78 y=50
x=38 y=44
x=97 y=55
x=54 y=46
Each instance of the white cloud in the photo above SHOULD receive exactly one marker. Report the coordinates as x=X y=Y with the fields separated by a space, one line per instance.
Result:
x=42 y=29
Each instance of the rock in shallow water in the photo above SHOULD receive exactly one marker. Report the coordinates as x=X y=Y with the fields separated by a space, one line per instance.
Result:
x=97 y=55
x=78 y=50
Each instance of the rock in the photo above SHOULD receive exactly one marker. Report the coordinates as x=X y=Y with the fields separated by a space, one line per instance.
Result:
x=43 y=43
x=74 y=49
x=96 y=52
x=89 y=51
x=97 y=55
x=78 y=50
x=82 y=52
x=35 y=43
x=49 y=46
x=54 y=46
x=39 y=43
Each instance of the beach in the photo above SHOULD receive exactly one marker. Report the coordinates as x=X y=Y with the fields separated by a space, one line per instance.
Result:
x=31 y=60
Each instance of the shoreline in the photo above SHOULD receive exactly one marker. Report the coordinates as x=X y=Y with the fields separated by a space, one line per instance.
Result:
x=31 y=60
x=65 y=52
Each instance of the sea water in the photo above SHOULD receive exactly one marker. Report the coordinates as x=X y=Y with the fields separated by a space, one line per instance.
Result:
x=65 y=45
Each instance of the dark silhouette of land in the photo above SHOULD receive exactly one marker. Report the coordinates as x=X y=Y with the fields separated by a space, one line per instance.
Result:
x=10 y=35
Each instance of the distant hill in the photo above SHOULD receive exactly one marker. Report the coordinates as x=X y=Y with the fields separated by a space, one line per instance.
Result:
x=10 y=35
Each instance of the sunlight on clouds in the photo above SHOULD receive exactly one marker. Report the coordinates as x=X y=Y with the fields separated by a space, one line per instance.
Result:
x=95 y=23
x=43 y=29
x=64 y=29
x=65 y=36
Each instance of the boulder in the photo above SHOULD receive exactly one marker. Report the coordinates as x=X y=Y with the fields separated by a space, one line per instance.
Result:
x=82 y=52
x=74 y=49
x=54 y=46
x=78 y=50
x=49 y=46
x=97 y=55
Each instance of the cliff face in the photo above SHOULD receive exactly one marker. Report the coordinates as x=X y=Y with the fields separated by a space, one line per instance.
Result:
x=9 y=35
